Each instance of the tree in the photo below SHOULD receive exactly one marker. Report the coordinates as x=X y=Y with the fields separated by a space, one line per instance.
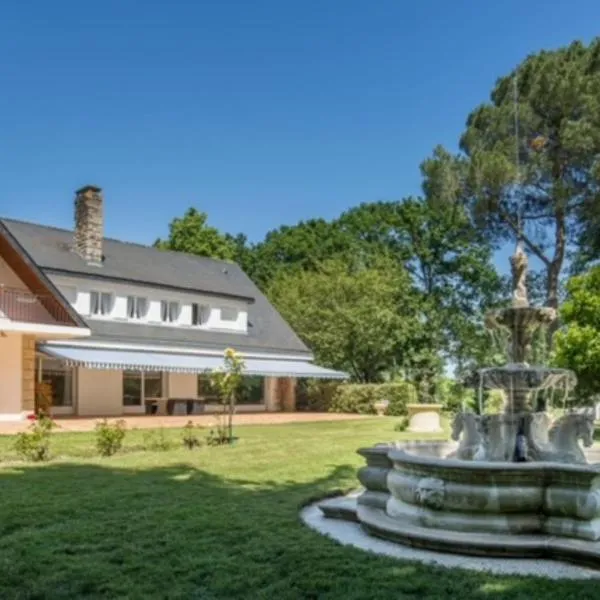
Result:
x=303 y=246
x=357 y=319
x=191 y=234
x=449 y=261
x=542 y=197
x=578 y=344
x=227 y=383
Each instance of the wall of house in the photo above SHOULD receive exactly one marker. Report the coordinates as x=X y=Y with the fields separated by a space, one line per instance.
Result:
x=99 y=392
x=9 y=278
x=182 y=385
x=77 y=291
x=11 y=376
x=28 y=374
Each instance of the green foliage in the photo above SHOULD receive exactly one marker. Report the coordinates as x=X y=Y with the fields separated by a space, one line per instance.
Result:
x=350 y=315
x=110 y=436
x=402 y=425
x=557 y=178
x=228 y=384
x=34 y=445
x=156 y=441
x=578 y=344
x=192 y=235
x=315 y=394
x=361 y=398
x=190 y=438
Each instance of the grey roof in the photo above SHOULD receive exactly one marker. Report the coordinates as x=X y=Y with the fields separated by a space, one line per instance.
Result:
x=50 y=249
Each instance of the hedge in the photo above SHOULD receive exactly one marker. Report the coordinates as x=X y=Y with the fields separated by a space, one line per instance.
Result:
x=361 y=397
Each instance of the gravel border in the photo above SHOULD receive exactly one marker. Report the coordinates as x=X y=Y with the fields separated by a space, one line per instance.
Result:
x=351 y=534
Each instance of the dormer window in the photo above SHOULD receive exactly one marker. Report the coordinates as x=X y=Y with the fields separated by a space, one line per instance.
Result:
x=101 y=303
x=229 y=314
x=169 y=311
x=137 y=307
x=200 y=314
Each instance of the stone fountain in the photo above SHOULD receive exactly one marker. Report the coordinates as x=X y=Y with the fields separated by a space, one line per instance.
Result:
x=512 y=484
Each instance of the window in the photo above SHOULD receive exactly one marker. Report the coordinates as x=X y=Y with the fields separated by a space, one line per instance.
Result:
x=251 y=390
x=169 y=311
x=137 y=307
x=57 y=380
x=138 y=386
x=200 y=314
x=101 y=303
x=229 y=314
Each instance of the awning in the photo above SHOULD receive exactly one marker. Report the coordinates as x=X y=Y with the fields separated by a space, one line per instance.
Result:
x=101 y=358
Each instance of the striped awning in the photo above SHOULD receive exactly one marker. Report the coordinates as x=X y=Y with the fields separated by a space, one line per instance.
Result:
x=101 y=358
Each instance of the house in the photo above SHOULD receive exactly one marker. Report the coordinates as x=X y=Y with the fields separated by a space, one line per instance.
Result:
x=114 y=328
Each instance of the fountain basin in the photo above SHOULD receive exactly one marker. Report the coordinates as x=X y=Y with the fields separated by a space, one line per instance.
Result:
x=415 y=496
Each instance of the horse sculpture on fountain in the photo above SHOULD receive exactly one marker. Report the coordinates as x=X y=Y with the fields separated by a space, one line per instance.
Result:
x=471 y=442
x=564 y=436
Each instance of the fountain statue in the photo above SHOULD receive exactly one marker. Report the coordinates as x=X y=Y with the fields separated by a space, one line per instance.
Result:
x=511 y=483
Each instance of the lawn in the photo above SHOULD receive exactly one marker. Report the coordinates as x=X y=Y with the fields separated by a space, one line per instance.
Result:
x=211 y=523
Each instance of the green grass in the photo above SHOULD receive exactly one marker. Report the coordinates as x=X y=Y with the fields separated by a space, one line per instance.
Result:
x=211 y=523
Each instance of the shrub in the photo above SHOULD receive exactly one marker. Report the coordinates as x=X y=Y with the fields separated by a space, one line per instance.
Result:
x=361 y=397
x=110 y=436
x=34 y=445
x=402 y=424
x=190 y=438
x=315 y=394
x=156 y=441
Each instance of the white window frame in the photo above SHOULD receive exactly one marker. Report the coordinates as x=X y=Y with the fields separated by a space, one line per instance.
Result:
x=101 y=293
x=233 y=310
x=137 y=316
x=200 y=307
x=169 y=303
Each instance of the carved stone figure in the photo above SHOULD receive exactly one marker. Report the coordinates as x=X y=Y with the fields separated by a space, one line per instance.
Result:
x=431 y=493
x=518 y=263
x=565 y=434
x=470 y=443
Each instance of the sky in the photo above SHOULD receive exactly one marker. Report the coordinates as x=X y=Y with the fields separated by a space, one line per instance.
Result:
x=260 y=113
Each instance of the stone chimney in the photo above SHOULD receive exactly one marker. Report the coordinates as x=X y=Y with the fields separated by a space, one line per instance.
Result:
x=89 y=224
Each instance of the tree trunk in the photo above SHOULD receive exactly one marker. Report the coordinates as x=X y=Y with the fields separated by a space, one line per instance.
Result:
x=554 y=270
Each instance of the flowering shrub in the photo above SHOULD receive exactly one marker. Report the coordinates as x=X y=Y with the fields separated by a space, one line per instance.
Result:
x=110 y=436
x=227 y=383
x=34 y=445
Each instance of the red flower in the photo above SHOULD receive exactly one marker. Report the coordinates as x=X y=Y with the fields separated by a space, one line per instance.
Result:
x=32 y=417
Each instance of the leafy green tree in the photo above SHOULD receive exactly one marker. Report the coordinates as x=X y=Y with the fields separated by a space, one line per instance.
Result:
x=578 y=343
x=544 y=196
x=303 y=246
x=358 y=319
x=450 y=263
x=193 y=235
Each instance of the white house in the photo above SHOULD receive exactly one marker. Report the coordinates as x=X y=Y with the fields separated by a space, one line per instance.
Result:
x=115 y=328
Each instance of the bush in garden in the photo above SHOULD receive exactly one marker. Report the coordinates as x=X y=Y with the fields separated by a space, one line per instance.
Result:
x=156 y=441
x=34 y=445
x=361 y=397
x=110 y=436
x=315 y=394
x=190 y=437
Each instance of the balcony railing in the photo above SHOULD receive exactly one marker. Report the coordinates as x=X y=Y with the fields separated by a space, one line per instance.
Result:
x=25 y=307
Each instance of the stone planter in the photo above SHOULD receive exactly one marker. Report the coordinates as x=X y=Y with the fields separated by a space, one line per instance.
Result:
x=381 y=406
x=424 y=418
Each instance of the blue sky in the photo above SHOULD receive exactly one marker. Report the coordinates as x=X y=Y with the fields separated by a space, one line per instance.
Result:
x=259 y=113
